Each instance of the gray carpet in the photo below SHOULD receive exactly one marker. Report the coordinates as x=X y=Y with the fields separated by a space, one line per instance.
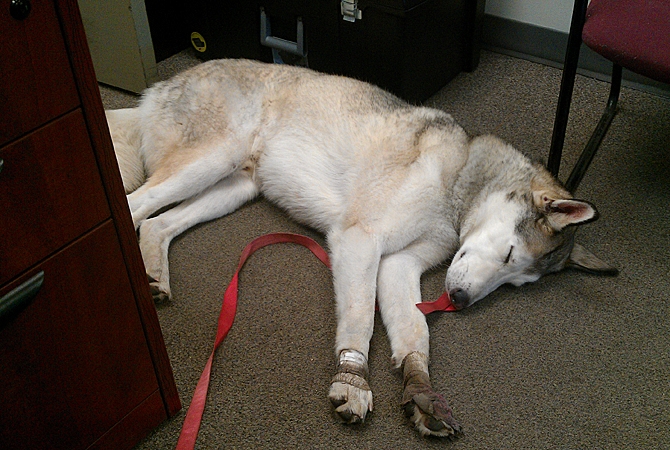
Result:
x=573 y=361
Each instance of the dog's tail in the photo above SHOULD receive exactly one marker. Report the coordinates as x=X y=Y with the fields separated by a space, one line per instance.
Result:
x=125 y=130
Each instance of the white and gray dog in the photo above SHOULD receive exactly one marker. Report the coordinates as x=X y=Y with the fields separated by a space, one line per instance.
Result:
x=395 y=188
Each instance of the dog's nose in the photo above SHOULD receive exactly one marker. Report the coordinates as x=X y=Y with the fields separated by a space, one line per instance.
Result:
x=459 y=298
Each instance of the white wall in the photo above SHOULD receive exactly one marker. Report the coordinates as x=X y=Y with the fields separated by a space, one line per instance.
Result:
x=553 y=14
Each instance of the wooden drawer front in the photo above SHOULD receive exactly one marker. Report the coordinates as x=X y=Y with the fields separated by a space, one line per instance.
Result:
x=75 y=361
x=50 y=193
x=36 y=82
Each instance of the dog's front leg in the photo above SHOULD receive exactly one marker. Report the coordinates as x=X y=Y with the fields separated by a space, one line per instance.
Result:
x=399 y=290
x=355 y=260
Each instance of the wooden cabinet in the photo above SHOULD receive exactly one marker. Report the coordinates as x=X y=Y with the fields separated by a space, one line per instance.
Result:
x=36 y=78
x=82 y=359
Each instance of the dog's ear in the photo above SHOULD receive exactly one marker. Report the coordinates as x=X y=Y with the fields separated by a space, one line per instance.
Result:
x=582 y=259
x=562 y=212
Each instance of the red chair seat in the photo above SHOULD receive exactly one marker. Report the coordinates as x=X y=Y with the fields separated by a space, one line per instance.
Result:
x=632 y=33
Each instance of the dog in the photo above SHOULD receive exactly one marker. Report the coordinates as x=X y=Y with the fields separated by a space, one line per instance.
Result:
x=395 y=188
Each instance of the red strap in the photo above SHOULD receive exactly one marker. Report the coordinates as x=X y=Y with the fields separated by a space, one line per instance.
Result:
x=191 y=426
x=441 y=304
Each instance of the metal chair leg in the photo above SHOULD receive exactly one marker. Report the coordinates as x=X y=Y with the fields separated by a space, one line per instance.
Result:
x=567 y=85
x=598 y=134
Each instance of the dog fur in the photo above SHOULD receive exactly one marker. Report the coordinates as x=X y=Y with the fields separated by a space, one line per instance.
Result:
x=395 y=188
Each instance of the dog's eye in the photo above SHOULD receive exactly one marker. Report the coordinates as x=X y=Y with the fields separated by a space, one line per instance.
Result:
x=509 y=255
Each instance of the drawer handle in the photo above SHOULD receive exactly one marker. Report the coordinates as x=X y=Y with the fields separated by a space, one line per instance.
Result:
x=19 y=298
x=19 y=9
x=2 y=164
x=295 y=48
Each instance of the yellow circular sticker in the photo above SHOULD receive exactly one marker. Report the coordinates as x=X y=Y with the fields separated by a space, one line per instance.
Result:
x=198 y=42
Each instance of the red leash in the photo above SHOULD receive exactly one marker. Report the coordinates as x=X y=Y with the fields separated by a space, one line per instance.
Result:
x=189 y=431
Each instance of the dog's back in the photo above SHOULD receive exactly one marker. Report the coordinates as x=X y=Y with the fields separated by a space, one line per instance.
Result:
x=298 y=131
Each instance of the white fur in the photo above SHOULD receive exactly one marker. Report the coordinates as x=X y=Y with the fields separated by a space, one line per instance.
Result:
x=390 y=185
x=127 y=140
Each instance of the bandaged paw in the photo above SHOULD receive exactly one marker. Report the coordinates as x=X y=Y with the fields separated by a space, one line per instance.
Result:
x=428 y=410
x=349 y=389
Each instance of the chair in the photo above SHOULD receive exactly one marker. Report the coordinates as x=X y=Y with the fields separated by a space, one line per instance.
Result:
x=634 y=34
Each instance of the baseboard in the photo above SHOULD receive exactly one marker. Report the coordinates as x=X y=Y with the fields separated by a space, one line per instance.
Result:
x=547 y=46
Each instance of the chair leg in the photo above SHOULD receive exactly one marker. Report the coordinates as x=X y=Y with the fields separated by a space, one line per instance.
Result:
x=598 y=134
x=567 y=85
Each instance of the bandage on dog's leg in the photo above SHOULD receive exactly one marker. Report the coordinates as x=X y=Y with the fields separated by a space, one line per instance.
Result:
x=427 y=409
x=349 y=389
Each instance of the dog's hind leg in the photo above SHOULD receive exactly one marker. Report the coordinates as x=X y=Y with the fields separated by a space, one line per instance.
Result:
x=355 y=258
x=125 y=131
x=185 y=172
x=399 y=290
x=157 y=233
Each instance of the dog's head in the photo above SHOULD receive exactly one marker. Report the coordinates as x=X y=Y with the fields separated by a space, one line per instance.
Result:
x=513 y=237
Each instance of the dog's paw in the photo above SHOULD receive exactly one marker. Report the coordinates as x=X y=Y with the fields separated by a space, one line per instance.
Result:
x=428 y=410
x=431 y=415
x=159 y=293
x=351 y=403
x=349 y=389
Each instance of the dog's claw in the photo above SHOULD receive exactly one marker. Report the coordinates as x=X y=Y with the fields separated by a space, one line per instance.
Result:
x=347 y=416
x=157 y=293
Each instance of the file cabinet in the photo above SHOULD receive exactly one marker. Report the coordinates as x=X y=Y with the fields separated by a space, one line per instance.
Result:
x=83 y=363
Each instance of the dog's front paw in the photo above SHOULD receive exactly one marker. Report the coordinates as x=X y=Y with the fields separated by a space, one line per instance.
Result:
x=431 y=415
x=351 y=403
x=349 y=389
x=428 y=410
